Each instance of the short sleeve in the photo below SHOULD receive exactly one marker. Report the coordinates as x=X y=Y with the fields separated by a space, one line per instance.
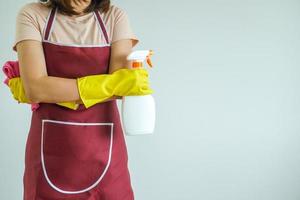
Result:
x=122 y=28
x=27 y=27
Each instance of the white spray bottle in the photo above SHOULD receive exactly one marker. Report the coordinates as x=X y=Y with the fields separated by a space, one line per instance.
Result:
x=138 y=112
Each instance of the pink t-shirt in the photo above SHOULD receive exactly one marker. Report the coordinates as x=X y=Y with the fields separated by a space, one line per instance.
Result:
x=72 y=30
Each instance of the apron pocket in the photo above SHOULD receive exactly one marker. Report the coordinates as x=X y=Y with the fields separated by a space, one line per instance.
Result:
x=75 y=156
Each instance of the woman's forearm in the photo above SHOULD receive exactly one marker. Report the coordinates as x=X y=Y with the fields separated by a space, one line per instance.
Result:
x=49 y=89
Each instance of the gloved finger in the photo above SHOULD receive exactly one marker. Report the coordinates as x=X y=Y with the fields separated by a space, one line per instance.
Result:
x=145 y=87
x=142 y=72
x=145 y=81
x=147 y=91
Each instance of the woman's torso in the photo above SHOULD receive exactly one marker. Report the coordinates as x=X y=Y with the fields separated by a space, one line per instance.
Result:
x=73 y=30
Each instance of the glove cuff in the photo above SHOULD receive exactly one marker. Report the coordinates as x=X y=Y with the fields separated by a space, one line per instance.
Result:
x=94 y=89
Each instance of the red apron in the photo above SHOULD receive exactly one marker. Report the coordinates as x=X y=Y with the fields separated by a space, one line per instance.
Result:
x=81 y=154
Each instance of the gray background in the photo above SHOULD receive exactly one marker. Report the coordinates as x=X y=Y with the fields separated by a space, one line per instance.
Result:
x=226 y=81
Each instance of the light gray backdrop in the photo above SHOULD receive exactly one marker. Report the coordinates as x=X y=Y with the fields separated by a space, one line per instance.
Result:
x=226 y=81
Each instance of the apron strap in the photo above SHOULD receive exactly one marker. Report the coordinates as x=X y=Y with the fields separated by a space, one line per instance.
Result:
x=102 y=26
x=49 y=24
x=51 y=17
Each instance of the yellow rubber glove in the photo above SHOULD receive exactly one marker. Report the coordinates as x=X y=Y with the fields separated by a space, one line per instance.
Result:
x=123 y=82
x=16 y=88
x=18 y=92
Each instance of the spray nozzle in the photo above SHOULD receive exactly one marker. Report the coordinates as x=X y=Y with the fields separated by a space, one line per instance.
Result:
x=138 y=57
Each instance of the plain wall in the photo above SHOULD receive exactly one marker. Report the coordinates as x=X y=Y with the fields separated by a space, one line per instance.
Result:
x=226 y=82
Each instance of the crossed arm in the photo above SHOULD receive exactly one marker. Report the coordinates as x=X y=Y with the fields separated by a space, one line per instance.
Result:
x=39 y=87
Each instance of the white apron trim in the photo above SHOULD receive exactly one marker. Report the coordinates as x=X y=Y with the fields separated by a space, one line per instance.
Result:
x=76 y=124
x=46 y=23
x=76 y=45
x=99 y=26
x=52 y=24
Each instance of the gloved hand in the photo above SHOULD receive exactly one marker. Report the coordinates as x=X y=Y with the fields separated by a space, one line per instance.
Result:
x=16 y=88
x=123 y=82
x=18 y=92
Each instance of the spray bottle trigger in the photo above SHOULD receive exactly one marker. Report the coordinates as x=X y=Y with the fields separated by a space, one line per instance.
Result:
x=149 y=61
x=151 y=52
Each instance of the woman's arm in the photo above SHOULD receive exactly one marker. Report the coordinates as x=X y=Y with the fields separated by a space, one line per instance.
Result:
x=118 y=59
x=39 y=87
x=119 y=52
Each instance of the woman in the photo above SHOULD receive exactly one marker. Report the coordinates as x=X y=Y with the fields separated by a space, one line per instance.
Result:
x=72 y=57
